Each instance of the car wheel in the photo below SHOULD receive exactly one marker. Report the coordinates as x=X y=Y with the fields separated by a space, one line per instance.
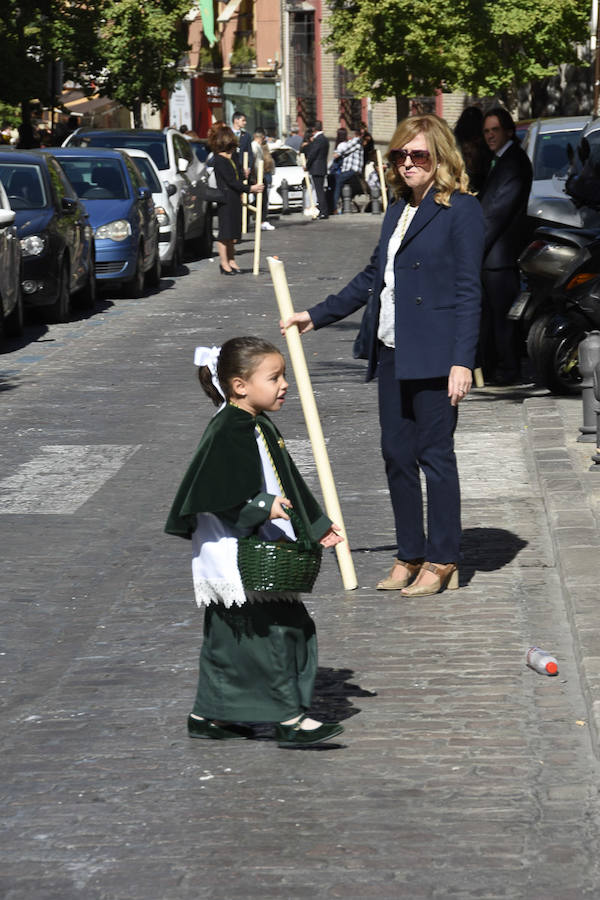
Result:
x=135 y=288
x=13 y=323
x=153 y=274
x=61 y=308
x=87 y=295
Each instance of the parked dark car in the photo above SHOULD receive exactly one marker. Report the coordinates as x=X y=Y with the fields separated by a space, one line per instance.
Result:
x=121 y=211
x=11 y=303
x=55 y=234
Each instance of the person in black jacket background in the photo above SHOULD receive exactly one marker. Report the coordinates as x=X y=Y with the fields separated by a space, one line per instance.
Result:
x=316 y=164
x=503 y=199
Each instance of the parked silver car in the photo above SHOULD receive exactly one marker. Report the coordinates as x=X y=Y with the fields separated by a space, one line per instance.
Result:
x=162 y=191
x=546 y=144
x=11 y=301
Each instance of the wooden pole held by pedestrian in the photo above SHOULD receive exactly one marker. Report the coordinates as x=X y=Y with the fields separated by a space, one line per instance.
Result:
x=478 y=377
x=245 y=195
x=313 y=423
x=258 y=221
x=384 y=196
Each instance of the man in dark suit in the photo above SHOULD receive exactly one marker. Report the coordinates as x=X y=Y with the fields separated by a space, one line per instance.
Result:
x=245 y=142
x=316 y=164
x=503 y=199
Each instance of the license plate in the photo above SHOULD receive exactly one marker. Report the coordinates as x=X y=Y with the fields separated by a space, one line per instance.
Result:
x=518 y=307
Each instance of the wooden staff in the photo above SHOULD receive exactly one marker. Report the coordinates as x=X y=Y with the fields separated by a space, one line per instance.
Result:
x=311 y=210
x=313 y=424
x=245 y=195
x=384 y=197
x=258 y=220
x=478 y=377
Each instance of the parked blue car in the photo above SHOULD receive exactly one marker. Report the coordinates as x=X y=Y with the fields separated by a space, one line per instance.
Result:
x=121 y=212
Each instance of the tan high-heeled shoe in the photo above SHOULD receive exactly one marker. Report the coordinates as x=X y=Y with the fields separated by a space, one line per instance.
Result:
x=446 y=577
x=412 y=566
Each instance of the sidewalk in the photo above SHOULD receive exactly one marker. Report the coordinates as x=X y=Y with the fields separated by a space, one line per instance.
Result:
x=571 y=495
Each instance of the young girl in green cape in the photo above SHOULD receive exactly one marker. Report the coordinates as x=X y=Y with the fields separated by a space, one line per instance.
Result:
x=259 y=655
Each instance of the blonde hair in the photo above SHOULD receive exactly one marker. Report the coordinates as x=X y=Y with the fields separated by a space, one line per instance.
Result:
x=449 y=169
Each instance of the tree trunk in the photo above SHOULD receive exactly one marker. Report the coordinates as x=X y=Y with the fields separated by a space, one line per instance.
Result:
x=401 y=108
x=26 y=141
x=137 y=114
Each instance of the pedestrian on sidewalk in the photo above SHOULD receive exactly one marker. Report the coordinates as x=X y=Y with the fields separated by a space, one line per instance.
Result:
x=422 y=289
x=224 y=145
x=316 y=165
x=259 y=655
x=260 y=149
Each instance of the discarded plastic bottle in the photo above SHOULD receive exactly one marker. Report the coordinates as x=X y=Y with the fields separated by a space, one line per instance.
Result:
x=541 y=661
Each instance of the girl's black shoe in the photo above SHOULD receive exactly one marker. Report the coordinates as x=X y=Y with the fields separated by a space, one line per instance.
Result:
x=204 y=728
x=293 y=736
x=225 y=272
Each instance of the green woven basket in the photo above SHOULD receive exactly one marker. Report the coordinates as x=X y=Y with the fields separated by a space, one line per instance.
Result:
x=280 y=565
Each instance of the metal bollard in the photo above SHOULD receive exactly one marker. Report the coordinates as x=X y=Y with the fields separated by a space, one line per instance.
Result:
x=284 y=190
x=346 y=199
x=589 y=357
x=375 y=193
x=596 y=388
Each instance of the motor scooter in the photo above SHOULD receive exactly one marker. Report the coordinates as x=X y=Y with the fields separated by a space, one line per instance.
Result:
x=562 y=305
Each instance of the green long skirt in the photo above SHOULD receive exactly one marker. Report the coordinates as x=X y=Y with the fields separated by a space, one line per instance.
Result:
x=258 y=662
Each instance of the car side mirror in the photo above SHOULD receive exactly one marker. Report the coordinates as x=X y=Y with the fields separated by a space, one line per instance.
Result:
x=171 y=188
x=7 y=217
x=182 y=165
x=68 y=203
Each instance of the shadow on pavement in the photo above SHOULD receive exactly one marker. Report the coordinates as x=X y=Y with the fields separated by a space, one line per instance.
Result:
x=487 y=550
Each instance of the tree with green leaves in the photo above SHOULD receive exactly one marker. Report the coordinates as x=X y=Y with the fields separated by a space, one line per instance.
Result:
x=141 y=46
x=487 y=47
x=34 y=37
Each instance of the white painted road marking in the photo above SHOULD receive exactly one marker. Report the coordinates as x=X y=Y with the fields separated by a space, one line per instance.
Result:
x=61 y=478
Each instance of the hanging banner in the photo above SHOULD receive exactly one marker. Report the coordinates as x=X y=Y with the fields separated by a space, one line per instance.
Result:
x=208 y=20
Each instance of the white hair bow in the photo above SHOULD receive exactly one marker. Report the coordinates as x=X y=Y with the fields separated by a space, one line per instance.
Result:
x=209 y=356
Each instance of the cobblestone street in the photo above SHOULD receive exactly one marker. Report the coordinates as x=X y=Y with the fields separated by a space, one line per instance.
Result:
x=461 y=773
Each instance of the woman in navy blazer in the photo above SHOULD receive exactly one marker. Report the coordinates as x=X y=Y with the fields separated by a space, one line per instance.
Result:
x=424 y=282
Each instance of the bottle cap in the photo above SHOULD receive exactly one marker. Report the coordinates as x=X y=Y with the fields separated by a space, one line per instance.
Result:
x=551 y=668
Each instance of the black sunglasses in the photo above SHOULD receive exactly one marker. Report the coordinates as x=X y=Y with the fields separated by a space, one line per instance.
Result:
x=417 y=157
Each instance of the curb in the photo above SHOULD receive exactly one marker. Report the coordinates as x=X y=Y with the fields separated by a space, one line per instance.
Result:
x=575 y=535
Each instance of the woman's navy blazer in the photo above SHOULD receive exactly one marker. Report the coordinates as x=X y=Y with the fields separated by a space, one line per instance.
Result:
x=438 y=288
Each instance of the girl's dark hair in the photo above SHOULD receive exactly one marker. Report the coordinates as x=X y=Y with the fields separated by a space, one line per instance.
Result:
x=239 y=357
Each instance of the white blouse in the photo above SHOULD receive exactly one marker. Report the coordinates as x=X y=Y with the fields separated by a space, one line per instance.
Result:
x=387 y=313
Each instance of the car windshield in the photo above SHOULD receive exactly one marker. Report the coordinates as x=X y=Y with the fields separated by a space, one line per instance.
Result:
x=551 y=154
x=148 y=174
x=24 y=185
x=96 y=179
x=285 y=157
x=155 y=145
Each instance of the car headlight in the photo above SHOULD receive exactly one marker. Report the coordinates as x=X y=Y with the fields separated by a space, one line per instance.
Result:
x=162 y=215
x=114 y=231
x=33 y=244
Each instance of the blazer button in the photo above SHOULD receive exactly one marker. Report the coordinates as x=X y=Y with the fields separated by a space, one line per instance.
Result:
x=418 y=299
x=416 y=265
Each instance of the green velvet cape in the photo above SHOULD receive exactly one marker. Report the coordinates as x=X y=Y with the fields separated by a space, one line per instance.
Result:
x=225 y=477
